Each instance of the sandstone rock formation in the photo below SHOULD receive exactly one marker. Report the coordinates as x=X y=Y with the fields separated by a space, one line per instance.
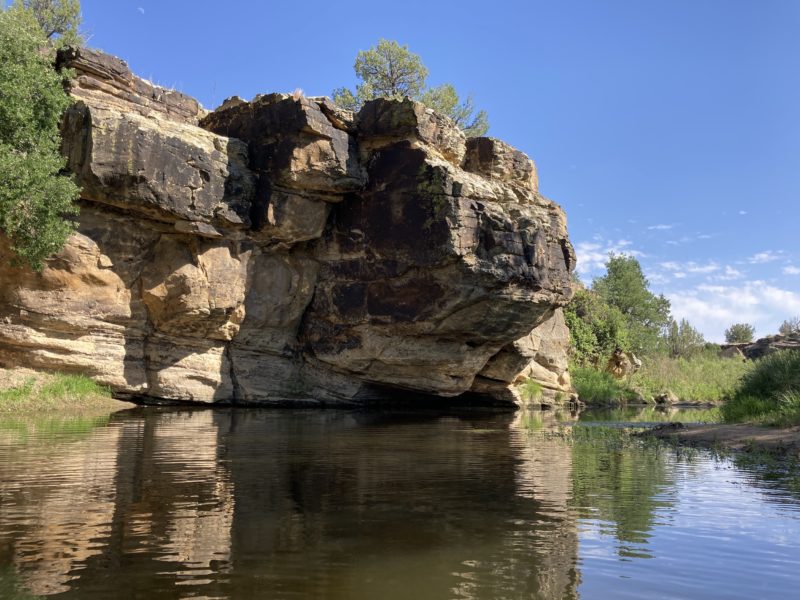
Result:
x=761 y=347
x=284 y=250
x=623 y=364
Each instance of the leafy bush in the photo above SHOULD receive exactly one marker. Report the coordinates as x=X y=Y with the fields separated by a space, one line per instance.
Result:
x=770 y=393
x=596 y=328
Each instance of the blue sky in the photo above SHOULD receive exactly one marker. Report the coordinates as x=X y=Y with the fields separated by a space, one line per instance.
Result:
x=667 y=129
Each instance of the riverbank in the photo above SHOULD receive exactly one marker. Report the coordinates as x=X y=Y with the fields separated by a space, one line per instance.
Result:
x=737 y=436
x=25 y=391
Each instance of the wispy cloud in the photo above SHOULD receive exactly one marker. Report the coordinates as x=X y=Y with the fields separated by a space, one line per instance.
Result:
x=765 y=257
x=140 y=9
x=791 y=270
x=728 y=274
x=690 y=267
x=660 y=227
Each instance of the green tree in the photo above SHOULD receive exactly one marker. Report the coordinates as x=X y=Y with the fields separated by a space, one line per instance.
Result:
x=790 y=326
x=35 y=197
x=625 y=287
x=58 y=19
x=444 y=99
x=683 y=340
x=596 y=328
x=389 y=70
x=740 y=333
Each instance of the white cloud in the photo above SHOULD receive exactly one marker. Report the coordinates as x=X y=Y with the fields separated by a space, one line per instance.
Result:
x=704 y=236
x=679 y=275
x=690 y=267
x=742 y=212
x=140 y=9
x=714 y=308
x=764 y=257
x=729 y=274
x=593 y=256
x=791 y=270
x=660 y=227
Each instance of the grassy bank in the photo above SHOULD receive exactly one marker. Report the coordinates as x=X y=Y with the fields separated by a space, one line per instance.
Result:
x=704 y=378
x=24 y=391
x=599 y=388
x=769 y=394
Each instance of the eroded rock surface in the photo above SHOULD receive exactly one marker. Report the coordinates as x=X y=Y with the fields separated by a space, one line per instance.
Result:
x=283 y=250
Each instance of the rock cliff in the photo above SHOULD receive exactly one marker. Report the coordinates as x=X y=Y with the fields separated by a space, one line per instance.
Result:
x=283 y=250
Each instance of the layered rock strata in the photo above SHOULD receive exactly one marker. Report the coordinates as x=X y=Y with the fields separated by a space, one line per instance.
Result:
x=283 y=250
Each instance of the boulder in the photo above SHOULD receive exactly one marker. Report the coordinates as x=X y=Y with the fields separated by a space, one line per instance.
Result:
x=666 y=398
x=622 y=364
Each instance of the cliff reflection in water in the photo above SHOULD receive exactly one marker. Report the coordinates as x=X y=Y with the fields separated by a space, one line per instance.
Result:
x=325 y=504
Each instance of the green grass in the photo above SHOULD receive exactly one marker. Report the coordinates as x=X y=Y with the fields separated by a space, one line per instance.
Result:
x=531 y=390
x=43 y=392
x=652 y=414
x=769 y=393
x=600 y=388
x=703 y=378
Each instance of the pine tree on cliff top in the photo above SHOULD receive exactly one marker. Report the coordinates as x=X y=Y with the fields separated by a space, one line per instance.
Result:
x=389 y=70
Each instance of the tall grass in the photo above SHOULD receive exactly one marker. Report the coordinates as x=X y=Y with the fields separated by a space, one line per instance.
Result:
x=58 y=391
x=599 y=388
x=531 y=390
x=702 y=378
x=769 y=393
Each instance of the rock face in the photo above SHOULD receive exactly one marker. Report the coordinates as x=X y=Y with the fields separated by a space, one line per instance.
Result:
x=763 y=346
x=286 y=251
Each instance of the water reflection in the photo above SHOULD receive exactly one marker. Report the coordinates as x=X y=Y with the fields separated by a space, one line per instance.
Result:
x=334 y=504
x=324 y=504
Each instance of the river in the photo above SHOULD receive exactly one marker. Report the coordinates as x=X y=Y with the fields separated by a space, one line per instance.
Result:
x=325 y=504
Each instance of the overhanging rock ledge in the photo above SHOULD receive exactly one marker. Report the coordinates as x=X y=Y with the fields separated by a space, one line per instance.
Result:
x=285 y=251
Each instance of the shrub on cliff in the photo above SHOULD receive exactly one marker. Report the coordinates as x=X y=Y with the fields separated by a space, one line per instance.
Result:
x=790 y=326
x=35 y=197
x=740 y=333
x=389 y=70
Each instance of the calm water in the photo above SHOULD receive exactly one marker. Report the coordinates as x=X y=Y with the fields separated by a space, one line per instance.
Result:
x=328 y=504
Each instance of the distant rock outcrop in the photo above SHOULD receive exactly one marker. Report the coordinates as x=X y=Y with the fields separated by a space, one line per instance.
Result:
x=283 y=250
x=766 y=345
